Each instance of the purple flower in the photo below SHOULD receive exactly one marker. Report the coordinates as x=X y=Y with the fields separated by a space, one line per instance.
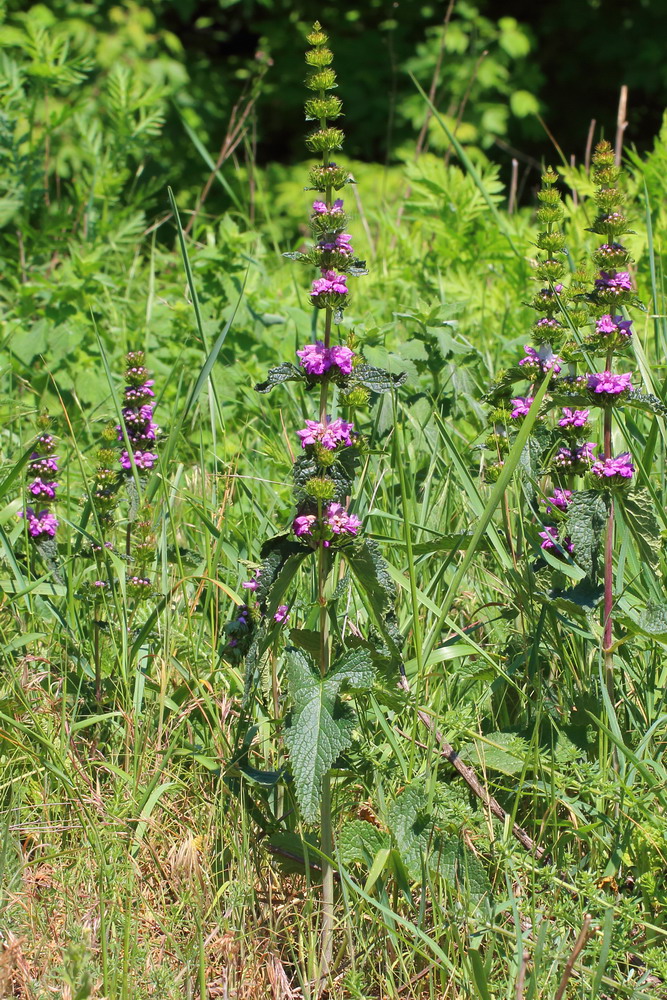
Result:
x=142 y=460
x=318 y=359
x=320 y=208
x=548 y=323
x=315 y=358
x=42 y=466
x=330 y=282
x=303 y=525
x=43 y=491
x=573 y=459
x=342 y=357
x=573 y=418
x=550 y=540
x=521 y=406
x=609 y=383
x=40 y=525
x=136 y=395
x=559 y=501
x=541 y=359
x=619 y=282
x=607 y=325
x=340 y=521
x=282 y=613
x=254 y=583
x=609 y=468
x=340 y=243
x=331 y=435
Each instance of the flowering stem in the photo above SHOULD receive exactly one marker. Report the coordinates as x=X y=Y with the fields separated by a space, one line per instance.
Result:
x=608 y=560
x=98 y=665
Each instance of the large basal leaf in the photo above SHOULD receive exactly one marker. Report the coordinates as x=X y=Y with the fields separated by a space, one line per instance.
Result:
x=320 y=726
x=584 y=525
x=651 y=622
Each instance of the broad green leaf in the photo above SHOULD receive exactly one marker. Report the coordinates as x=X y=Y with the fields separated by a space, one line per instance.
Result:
x=360 y=841
x=411 y=824
x=503 y=752
x=584 y=597
x=321 y=725
x=585 y=521
x=640 y=517
x=285 y=372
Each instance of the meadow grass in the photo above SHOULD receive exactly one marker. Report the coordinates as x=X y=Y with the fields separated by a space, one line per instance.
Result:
x=152 y=844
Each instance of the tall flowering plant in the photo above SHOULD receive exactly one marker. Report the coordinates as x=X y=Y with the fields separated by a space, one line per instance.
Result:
x=320 y=662
x=41 y=495
x=574 y=483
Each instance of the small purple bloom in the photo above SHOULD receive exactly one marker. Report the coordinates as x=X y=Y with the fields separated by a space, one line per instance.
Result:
x=340 y=521
x=42 y=466
x=607 y=325
x=610 y=468
x=330 y=282
x=541 y=359
x=303 y=525
x=40 y=525
x=282 y=613
x=342 y=357
x=550 y=540
x=619 y=282
x=254 y=583
x=559 y=501
x=43 y=491
x=521 y=406
x=609 y=383
x=332 y=435
x=142 y=460
x=315 y=358
x=573 y=418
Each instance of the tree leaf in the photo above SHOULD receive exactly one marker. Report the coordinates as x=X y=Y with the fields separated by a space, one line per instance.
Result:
x=320 y=726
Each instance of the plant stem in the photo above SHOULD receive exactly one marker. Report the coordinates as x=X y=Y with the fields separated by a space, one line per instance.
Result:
x=98 y=665
x=608 y=623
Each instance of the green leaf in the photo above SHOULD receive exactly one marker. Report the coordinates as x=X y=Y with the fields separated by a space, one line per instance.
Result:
x=370 y=572
x=291 y=852
x=411 y=824
x=376 y=379
x=360 y=841
x=584 y=524
x=645 y=401
x=503 y=752
x=286 y=372
x=584 y=597
x=321 y=725
x=651 y=622
x=640 y=518
x=523 y=103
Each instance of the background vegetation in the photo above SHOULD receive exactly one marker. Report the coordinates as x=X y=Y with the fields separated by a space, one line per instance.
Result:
x=144 y=850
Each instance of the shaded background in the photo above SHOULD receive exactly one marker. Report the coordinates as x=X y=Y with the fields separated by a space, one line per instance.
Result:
x=502 y=65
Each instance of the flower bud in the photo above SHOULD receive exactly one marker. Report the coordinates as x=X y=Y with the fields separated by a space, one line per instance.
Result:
x=330 y=176
x=320 y=488
x=324 y=456
x=549 y=176
x=358 y=396
x=325 y=139
x=319 y=57
x=550 y=270
x=324 y=79
x=551 y=242
x=323 y=107
x=317 y=36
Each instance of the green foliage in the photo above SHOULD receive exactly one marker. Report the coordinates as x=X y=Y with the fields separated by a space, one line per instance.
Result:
x=585 y=521
x=321 y=724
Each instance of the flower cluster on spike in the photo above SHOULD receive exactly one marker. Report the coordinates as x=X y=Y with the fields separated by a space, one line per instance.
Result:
x=594 y=305
x=41 y=522
x=138 y=424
